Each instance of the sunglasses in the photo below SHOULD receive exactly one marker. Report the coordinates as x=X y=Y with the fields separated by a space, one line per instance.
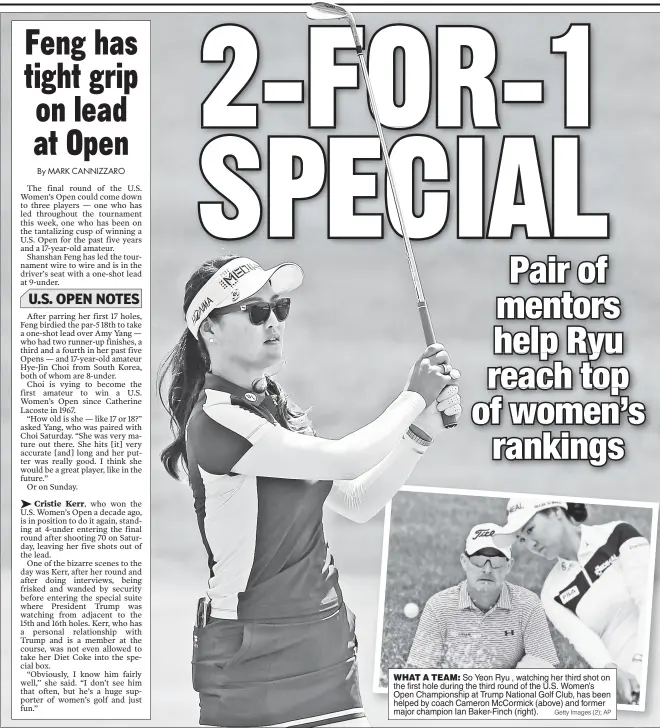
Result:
x=259 y=312
x=479 y=560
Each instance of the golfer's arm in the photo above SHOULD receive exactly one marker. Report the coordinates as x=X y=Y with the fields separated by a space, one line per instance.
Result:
x=361 y=498
x=585 y=640
x=279 y=453
x=634 y=562
x=428 y=646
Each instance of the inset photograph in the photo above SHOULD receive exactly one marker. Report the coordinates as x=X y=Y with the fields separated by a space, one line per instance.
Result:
x=506 y=581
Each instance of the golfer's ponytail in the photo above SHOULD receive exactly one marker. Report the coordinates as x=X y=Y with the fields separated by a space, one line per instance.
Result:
x=576 y=512
x=296 y=418
x=186 y=365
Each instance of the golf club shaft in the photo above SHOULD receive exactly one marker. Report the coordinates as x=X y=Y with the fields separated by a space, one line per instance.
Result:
x=425 y=316
x=411 y=257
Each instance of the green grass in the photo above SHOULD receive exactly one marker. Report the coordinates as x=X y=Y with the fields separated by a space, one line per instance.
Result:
x=427 y=536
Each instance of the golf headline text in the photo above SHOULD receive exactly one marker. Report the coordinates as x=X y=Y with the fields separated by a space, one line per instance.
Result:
x=415 y=79
x=54 y=71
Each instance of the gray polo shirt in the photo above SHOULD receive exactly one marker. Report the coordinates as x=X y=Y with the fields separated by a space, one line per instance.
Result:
x=454 y=633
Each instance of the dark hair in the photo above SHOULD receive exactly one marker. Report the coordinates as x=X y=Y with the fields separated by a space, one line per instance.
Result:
x=576 y=512
x=188 y=363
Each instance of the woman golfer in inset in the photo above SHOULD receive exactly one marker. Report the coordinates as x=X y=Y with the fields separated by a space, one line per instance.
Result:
x=596 y=594
x=277 y=645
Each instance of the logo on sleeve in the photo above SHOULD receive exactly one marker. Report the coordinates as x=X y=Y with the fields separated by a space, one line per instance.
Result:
x=509 y=632
x=569 y=594
x=598 y=570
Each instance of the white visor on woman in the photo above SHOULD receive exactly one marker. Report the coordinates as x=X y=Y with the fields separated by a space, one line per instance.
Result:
x=236 y=281
x=520 y=512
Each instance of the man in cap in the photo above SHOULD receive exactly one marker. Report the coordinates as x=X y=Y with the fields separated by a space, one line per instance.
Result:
x=485 y=621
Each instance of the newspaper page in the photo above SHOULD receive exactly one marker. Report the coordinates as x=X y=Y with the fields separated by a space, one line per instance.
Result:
x=328 y=364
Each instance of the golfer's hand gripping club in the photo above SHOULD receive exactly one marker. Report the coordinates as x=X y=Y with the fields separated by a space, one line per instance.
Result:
x=430 y=377
x=449 y=420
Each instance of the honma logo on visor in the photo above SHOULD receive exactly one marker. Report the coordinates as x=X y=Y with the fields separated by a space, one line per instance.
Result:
x=203 y=306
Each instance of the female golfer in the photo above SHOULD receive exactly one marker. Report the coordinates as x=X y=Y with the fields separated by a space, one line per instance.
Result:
x=596 y=593
x=277 y=645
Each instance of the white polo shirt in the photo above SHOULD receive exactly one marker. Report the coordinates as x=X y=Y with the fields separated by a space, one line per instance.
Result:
x=598 y=601
x=454 y=633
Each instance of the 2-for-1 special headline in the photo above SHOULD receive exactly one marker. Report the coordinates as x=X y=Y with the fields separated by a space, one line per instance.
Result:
x=415 y=78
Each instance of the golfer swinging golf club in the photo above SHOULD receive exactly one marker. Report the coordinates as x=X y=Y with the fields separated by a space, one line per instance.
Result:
x=277 y=644
x=596 y=594
x=485 y=621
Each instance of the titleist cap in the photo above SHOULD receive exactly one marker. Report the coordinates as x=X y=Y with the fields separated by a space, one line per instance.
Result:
x=481 y=537
x=234 y=282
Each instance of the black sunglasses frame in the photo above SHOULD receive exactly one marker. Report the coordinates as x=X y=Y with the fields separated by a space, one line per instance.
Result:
x=487 y=559
x=259 y=311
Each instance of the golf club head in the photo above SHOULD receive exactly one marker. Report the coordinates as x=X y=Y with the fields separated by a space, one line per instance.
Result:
x=326 y=11
x=330 y=11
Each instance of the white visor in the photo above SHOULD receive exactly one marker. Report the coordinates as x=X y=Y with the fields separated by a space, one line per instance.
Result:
x=236 y=281
x=520 y=512
x=482 y=537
